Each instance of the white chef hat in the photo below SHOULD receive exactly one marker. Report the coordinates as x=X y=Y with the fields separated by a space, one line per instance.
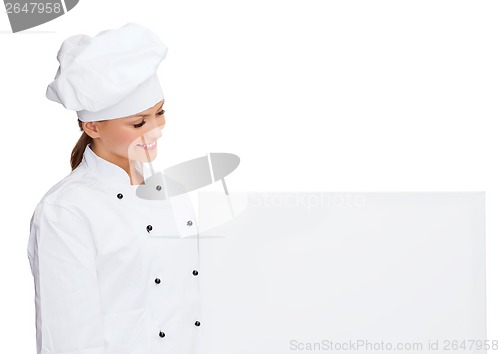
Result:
x=111 y=75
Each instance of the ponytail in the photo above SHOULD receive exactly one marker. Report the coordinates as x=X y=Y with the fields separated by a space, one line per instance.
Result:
x=79 y=149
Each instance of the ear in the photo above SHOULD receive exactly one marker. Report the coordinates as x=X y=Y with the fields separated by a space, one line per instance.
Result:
x=91 y=128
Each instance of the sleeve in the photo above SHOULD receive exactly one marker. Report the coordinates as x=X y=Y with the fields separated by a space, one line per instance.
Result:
x=62 y=257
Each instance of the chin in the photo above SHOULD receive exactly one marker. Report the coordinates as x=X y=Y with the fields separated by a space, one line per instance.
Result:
x=143 y=157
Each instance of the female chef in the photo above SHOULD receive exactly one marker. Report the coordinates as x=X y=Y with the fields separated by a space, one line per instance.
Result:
x=113 y=273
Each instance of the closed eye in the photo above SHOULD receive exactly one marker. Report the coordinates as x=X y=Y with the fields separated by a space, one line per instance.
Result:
x=159 y=114
x=140 y=124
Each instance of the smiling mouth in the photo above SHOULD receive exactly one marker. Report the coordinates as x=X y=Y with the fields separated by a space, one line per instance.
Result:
x=148 y=146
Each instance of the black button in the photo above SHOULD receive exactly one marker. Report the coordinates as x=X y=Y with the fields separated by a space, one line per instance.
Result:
x=158 y=188
x=195 y=272
x=149 y=228
x=157 y=281
x=119 y=196
x=161 y=334
x=197 y=323
x=189 y=223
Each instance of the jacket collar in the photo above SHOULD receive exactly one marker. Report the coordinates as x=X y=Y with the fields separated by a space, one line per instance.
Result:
x=107 y=171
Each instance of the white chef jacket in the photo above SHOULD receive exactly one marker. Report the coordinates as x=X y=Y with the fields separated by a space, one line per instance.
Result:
x=113 y=273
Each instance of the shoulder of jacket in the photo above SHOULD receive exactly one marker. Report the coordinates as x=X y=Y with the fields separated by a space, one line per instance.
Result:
x=74 y=186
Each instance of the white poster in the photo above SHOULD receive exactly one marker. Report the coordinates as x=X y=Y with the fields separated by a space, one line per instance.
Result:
x=343 y=272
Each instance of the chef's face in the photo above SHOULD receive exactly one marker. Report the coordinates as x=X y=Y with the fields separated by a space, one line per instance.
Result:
x=130 y=138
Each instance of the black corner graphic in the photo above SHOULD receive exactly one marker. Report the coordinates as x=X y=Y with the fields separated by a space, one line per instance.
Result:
x=24 y=14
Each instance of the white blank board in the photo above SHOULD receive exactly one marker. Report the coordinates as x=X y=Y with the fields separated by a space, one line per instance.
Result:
x=342 y=272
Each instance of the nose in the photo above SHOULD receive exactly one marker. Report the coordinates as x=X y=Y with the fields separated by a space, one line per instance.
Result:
x=155 y=132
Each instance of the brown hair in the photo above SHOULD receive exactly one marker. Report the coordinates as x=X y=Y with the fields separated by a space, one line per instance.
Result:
x=79 y=149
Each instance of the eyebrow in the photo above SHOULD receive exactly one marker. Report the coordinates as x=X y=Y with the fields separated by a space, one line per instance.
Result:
x=145 y=115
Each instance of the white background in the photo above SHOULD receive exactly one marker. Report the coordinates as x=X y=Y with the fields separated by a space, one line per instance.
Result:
x=312 y=95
